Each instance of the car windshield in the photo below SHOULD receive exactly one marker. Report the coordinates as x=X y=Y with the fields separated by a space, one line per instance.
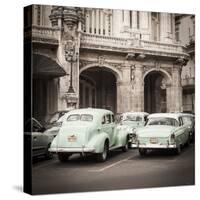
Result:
x=77 y=117
x=162 y=121
x=130 y=117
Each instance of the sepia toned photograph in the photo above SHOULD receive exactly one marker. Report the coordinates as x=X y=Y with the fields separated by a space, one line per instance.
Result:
x=109 y=99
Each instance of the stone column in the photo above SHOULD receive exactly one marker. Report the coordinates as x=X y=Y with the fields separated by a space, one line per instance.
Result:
x=101 y=22
x=93 y=21
x=87 y=23
x=117 y=22
x=106 y=24
x=134 y=19
x=127 y=18
x=176 y=89
x=124 y=93
x=123 y=97
x=165 y=27
x=144 y=20
x=97 y=21
x=34 y=14
x=138 y=89
x=168 y=98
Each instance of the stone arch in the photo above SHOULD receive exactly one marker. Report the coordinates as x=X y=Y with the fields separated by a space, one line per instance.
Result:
x=153 y=89
x=107 y=67
x=166 y=75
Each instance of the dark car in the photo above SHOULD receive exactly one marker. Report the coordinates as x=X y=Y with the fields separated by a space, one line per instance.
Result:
x=39 y=139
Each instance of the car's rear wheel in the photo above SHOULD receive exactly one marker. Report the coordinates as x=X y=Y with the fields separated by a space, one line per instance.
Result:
x=188 y=140
x=126 y=146
x=63 y=157
x=48 y=154
x=101 y=157
x=177 y=150
x=142 y=151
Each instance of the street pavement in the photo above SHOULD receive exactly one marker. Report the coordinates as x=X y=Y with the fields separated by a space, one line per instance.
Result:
x=121 y=171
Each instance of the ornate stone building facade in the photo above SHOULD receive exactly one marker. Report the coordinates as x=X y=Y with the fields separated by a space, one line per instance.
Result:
x=116 y=59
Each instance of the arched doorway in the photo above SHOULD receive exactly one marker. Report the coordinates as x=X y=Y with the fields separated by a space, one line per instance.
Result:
x=155 y=92
x=97 y=88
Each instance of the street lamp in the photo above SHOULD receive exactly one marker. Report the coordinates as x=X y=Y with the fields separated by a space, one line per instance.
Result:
x=70 y=56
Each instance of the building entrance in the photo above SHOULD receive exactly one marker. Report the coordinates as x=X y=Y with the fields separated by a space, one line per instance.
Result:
x=97 y=88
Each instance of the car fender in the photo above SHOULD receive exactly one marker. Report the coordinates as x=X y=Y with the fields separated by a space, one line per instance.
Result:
x=98 y=141
x=179 y=134
x=121 y=137
x=54 y=142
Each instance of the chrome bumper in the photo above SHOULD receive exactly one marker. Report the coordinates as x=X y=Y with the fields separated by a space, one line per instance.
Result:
x=133 y=145
x=157 y=146
x=73 y=150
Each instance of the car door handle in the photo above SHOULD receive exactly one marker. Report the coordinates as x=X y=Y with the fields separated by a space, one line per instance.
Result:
x=35 y=138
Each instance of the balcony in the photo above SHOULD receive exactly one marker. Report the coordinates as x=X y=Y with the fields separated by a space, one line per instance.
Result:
x=108 y=43
x=188 y=82
x=43 y=35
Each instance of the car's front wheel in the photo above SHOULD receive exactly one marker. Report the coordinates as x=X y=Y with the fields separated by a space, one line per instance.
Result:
x=142 y=151
x=101 y=157
x=63 y=157
x=125 y=147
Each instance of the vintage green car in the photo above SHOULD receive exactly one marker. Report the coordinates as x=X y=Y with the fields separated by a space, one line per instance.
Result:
x=132 y=121
x=87 y=131
x=163 y=131
x=190 y=120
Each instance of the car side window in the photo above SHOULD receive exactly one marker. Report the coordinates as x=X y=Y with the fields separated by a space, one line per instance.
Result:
x=108 y=119
x=113 y=118
x=180 y=121
x=103 y=120
x=187 y=120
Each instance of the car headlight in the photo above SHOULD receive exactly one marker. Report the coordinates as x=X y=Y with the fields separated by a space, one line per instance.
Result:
x=132 y=130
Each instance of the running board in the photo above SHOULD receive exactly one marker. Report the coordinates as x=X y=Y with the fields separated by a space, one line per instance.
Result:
x=114 y=147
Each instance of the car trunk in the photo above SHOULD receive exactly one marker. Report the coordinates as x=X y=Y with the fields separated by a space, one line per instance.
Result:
x=73 y=135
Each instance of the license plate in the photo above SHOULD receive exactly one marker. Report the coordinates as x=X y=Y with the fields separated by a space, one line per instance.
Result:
x=72 y=138
x=153 y=140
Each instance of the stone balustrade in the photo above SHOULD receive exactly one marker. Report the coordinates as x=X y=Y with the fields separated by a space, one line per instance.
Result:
x=92 y=40
x=43 y=34
x=103 y=40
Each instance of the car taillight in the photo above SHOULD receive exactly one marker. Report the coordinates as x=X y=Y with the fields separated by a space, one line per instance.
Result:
x=173 y=137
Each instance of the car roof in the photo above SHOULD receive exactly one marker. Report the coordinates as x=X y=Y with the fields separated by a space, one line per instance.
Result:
x=92 y=111
x=135 y=113
x=168 y=115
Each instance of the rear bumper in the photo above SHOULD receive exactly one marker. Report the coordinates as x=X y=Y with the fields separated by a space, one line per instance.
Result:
x=73 y=150
x=157 y=146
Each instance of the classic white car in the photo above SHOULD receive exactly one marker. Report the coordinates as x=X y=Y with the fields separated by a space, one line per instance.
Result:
x=132 y=121
x=87 y=131
x=162 y=131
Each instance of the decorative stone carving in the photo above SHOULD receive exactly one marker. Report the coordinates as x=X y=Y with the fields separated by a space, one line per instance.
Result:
x=181 y=61
x=69 y=15
x=140 y=56
x=157 y=65
x=130 y=56
x=101 y=60
x=132 y=76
